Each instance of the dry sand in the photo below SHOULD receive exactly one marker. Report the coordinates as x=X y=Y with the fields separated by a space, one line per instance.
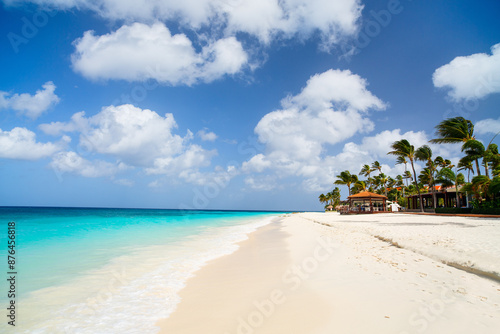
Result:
x=325 y=273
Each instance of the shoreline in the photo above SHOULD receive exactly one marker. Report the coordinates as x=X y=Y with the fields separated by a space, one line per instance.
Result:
x=324 y=273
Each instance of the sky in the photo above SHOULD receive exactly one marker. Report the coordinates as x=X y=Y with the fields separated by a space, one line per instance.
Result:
x=231 y=104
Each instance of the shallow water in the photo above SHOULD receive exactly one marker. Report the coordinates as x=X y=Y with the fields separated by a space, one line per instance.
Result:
x=111 y=270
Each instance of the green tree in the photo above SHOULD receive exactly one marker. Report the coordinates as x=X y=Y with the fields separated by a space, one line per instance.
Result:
x=456 y=130
x=346 y=178
x=424 y=153
x=447 y=178
x=403 y=148
x=359 y=186
x=466 y=164
x=474 y=150
x=376 y=167
x=366 y=171
x=323 y=198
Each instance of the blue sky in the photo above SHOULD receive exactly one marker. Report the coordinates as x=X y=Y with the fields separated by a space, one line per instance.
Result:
x=231 y=104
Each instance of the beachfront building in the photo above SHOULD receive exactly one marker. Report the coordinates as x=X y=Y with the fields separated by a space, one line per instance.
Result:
x=367 y=202
x=445 y=198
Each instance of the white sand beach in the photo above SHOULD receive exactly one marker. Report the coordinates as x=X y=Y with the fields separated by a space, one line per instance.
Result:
x=326 y=273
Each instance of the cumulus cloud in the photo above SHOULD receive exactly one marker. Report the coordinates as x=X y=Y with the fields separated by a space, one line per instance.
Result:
x=139 y=52
x=206 y=136
x=137 y=137
x=261 y=183
x=332 y=107
x=487 y=126
x=31 y=105
x=20 y=143
x=71 y=162
x=262 y=19
x=194 y=157
x=470 y=77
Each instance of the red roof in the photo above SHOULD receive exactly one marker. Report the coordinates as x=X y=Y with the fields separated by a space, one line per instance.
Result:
x=367 y=194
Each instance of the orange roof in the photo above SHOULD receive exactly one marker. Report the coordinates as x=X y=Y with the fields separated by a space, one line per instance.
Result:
x=367 y=194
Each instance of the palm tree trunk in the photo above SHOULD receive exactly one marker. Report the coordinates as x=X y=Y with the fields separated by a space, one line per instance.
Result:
x=477 y=167
x=456 y=191
x=416 y=185
x=433 y=193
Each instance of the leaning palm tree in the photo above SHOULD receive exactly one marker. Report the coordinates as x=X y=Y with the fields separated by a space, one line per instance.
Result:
x=323 y=198
x=424 y=153
x=376 y=166
x=407 y=176
x=335 y=197
x=366 y=171
x=359 y=186
x=455 y=130
x=346 y=178
x=466 y=164
x=448 y=178
x=383 y=180
x=403 y=148
x=491 y=158
x=474 y=150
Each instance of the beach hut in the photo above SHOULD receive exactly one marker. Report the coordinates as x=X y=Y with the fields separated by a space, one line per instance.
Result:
x=367 y=202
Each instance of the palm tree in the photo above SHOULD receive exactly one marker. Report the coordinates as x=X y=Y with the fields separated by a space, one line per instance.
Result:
x=456 y=130
x=479 y=186
x=323 y=199
x=424 y=153
x=346 y=178
x=358 y=187
x=366 y=171
x=334 y=197
x=376 y=166
x=403 y=148
x=383 y=180
x=474 y=150
x=448 y=178
x=466 y=164
x=491 y=157
x=407 y=176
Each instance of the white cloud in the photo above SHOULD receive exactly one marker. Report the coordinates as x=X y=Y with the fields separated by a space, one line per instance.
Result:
x=71 y=162
x=261 y=183
x=138 y=137
x=20 y=143
x=125 y=182
x=330 y=108
x=263 y=19
x=487 y=126
x=470 y=77
x=31 y=105
x=206 y=136
x=139 y=52
x=193 y=158
x=256 y=164
x=78 y=121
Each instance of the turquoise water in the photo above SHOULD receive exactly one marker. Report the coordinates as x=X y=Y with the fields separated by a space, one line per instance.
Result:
x=96 y=270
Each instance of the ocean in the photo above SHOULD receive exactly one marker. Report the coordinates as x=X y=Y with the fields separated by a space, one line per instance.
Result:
x=90 y=270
